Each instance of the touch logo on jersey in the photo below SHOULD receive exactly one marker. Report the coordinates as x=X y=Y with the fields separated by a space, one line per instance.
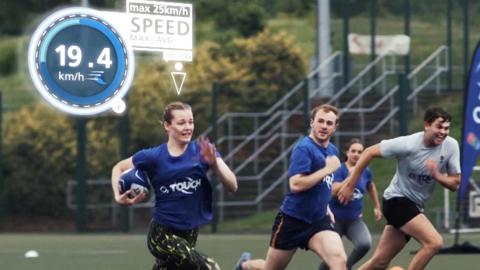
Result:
x=328 y=180
x=421 y=178
x=186 y=187
x=357 y=194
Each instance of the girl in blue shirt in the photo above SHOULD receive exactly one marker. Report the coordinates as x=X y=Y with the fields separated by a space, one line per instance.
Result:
x=183 y=194
x=348 y=218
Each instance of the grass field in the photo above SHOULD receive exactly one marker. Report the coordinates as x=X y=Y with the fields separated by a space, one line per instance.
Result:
x=122 y=252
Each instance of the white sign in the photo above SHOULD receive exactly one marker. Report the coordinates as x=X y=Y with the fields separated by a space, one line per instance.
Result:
x=158 y=26
x=474 y=207
x=391 y=45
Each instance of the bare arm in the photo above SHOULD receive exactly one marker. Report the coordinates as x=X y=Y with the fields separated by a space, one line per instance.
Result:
x=225 y=175
x=451 y=181
x=301 y=182
x=346 y=191
x=372 y=191
x=117 y=170
x=336 y=187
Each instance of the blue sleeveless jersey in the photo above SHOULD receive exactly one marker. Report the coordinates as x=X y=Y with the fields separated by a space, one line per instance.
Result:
x=310 y=205
x=353 y=209
x=183 y=194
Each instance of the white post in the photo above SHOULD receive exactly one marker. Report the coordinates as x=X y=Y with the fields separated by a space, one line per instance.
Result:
x=324 y=45
x=446 y=200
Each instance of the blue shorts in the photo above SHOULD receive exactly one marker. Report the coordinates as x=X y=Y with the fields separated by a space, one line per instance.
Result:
x=290 y=233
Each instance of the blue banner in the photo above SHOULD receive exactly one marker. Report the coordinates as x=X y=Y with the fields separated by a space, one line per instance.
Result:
x=471 y=125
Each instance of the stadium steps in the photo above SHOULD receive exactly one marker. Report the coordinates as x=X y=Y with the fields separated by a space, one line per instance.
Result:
x=357 y=97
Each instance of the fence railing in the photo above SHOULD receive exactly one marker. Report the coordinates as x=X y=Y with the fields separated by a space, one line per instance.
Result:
x=333 y=63
x=430 y=70
x=278 y=123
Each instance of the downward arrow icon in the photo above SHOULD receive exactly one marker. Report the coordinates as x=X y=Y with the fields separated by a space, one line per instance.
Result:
x=178 y=76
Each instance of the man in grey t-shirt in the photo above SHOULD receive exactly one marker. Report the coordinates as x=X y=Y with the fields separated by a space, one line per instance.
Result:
x=423 y=159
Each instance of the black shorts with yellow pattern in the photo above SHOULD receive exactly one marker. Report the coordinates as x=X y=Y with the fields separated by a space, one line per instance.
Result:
x=175 y=249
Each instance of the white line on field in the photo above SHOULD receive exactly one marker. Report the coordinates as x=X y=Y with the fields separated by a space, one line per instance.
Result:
x=68 y=252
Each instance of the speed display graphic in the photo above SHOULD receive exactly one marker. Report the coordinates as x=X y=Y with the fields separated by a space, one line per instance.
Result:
x=79 y=63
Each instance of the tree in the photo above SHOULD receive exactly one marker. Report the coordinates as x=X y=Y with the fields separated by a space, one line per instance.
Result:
x=252 y=72
x=247 y=19
x=13 y=24
x=151 y=90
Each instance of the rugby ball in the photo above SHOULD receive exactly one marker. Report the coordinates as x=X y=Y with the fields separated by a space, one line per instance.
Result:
x=135 y=180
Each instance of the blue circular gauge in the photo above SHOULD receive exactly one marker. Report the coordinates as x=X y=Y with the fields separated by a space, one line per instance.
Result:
x=79 y=62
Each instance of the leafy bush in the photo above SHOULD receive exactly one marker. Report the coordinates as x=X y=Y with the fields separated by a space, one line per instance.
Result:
x=248 y=19
x=151 y=90
x=8 y=56
x=39 y=157
x=252 y=73
x=274 y=62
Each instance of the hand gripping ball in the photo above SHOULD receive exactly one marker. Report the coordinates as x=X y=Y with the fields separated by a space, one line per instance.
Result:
x=135 y=180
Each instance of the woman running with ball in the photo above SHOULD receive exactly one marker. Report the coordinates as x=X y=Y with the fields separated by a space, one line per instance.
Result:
x=183 y=194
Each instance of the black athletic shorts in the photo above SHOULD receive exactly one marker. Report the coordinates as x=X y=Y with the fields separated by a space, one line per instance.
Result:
x=399 y=210
x=290 y=233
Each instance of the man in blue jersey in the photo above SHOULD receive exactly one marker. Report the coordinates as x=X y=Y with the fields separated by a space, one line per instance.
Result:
x=183 y=195
x=302 y=221
x=423 y=159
